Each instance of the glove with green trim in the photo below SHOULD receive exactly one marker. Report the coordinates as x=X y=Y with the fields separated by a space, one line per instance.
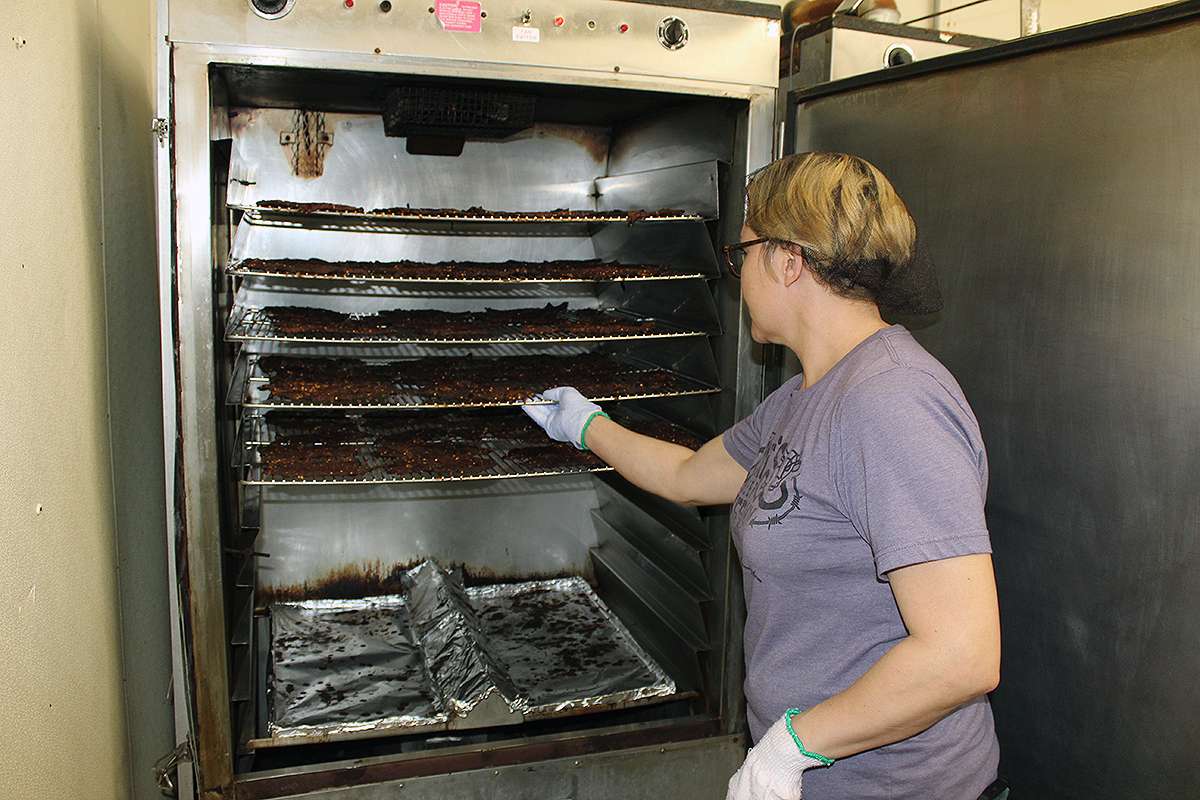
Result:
x=567 y=420
x=773 y=767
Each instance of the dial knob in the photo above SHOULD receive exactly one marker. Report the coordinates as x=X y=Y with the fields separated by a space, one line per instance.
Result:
x=898 y=55
x=672 y=33
x=271 y=9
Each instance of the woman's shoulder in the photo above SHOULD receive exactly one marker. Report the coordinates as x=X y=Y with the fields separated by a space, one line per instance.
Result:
x=896 y=362
x=900 y=375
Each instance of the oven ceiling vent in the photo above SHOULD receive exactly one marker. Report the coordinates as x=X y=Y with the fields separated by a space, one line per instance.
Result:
x=456 y=112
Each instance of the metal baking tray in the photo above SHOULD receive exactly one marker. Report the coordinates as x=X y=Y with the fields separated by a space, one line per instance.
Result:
x=460 y=223
x=236 y=268
x=252 y=324
x=261 y=430
x=442 y=657
x=255 y=393
x=377 y=472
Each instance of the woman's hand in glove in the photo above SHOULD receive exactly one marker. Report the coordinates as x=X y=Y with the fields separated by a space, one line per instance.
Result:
x=773 y=767
x=567 y=419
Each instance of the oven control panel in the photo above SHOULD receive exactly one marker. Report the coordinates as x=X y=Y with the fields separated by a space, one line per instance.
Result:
x=632 y=38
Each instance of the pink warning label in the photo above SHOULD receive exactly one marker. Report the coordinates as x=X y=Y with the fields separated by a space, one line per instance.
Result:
x=459 y=15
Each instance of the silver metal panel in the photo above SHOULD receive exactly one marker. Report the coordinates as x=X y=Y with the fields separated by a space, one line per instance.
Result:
x=688 y=304
x=721 y=47
x=674 y=550
x=754 y=148
x=683 y=244
x=854 y=52
x=651 y=142
x=691 y=188
x=540 y=169
x=180 y=686
x=680 y=614
x=1059 y=193
x=676 y=654
x=195 y=501
x=537 y=526
x=694 y=770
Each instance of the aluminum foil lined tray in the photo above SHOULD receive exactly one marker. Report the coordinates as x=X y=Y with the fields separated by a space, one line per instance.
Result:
x=445 y=657
x=351 y=665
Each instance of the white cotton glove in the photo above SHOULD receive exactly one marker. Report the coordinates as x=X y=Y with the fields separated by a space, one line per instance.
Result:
x=773 y=768
x=569 y=416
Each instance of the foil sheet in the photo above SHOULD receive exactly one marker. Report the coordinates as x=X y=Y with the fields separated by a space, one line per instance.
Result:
x=428 y=659
x=564 y=649
x=456 y=646
x=342 y=666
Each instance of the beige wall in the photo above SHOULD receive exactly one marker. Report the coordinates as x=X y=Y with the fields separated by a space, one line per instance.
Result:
x=63 y=732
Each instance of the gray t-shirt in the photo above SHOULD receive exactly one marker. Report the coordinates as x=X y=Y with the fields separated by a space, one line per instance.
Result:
x=880 y=465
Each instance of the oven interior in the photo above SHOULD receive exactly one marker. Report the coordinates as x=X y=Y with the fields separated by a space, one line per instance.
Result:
x=370 y=433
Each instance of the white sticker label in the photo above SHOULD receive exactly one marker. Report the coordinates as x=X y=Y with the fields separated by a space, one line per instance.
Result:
x=523 y=34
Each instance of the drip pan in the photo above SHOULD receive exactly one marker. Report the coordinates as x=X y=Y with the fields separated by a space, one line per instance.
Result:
x=445 y=657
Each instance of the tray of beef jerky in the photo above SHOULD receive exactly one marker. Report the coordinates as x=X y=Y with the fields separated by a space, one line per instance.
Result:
x=276 y=381
x=298 y=213
x=301 y=448
x=549 y=323
x=482 y=272
x=445 y=656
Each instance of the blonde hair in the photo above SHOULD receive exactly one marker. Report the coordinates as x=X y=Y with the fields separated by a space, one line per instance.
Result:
x=842 y=212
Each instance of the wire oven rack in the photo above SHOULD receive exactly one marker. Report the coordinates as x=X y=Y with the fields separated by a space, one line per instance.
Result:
x=297 y=216
x=247 y=323
x=237 y=268
x=260 y=430
x=376 y=469
x=253 y=392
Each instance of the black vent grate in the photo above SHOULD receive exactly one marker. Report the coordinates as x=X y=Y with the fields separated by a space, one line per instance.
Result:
x=436 y=111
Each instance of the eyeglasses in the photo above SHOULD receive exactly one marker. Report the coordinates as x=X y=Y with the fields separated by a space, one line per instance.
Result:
x=735 y=255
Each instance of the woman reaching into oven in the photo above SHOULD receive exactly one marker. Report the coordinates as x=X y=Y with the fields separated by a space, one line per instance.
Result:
x=872 y=630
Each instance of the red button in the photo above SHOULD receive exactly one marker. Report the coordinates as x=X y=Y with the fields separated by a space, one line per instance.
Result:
x=623 y=28
x=558 y=22
x=349 y=3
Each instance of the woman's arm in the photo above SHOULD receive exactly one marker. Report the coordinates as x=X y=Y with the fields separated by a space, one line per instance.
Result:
x=951 y=655
x=708 y=476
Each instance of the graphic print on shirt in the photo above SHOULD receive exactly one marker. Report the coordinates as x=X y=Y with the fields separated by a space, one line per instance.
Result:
x=771 y=492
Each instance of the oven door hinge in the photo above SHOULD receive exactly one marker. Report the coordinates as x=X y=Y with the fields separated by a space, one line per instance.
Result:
x=160 y=128
x=166 y=769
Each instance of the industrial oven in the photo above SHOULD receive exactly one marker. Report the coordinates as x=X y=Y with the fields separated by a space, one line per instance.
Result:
x=383 y=226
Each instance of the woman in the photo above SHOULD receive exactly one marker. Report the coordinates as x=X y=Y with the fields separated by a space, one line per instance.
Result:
x=872 y=631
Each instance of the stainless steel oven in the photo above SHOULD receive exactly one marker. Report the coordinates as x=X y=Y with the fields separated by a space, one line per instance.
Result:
x=383 y=226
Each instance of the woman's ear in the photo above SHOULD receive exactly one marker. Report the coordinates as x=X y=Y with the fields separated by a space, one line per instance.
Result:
x=792 y=265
